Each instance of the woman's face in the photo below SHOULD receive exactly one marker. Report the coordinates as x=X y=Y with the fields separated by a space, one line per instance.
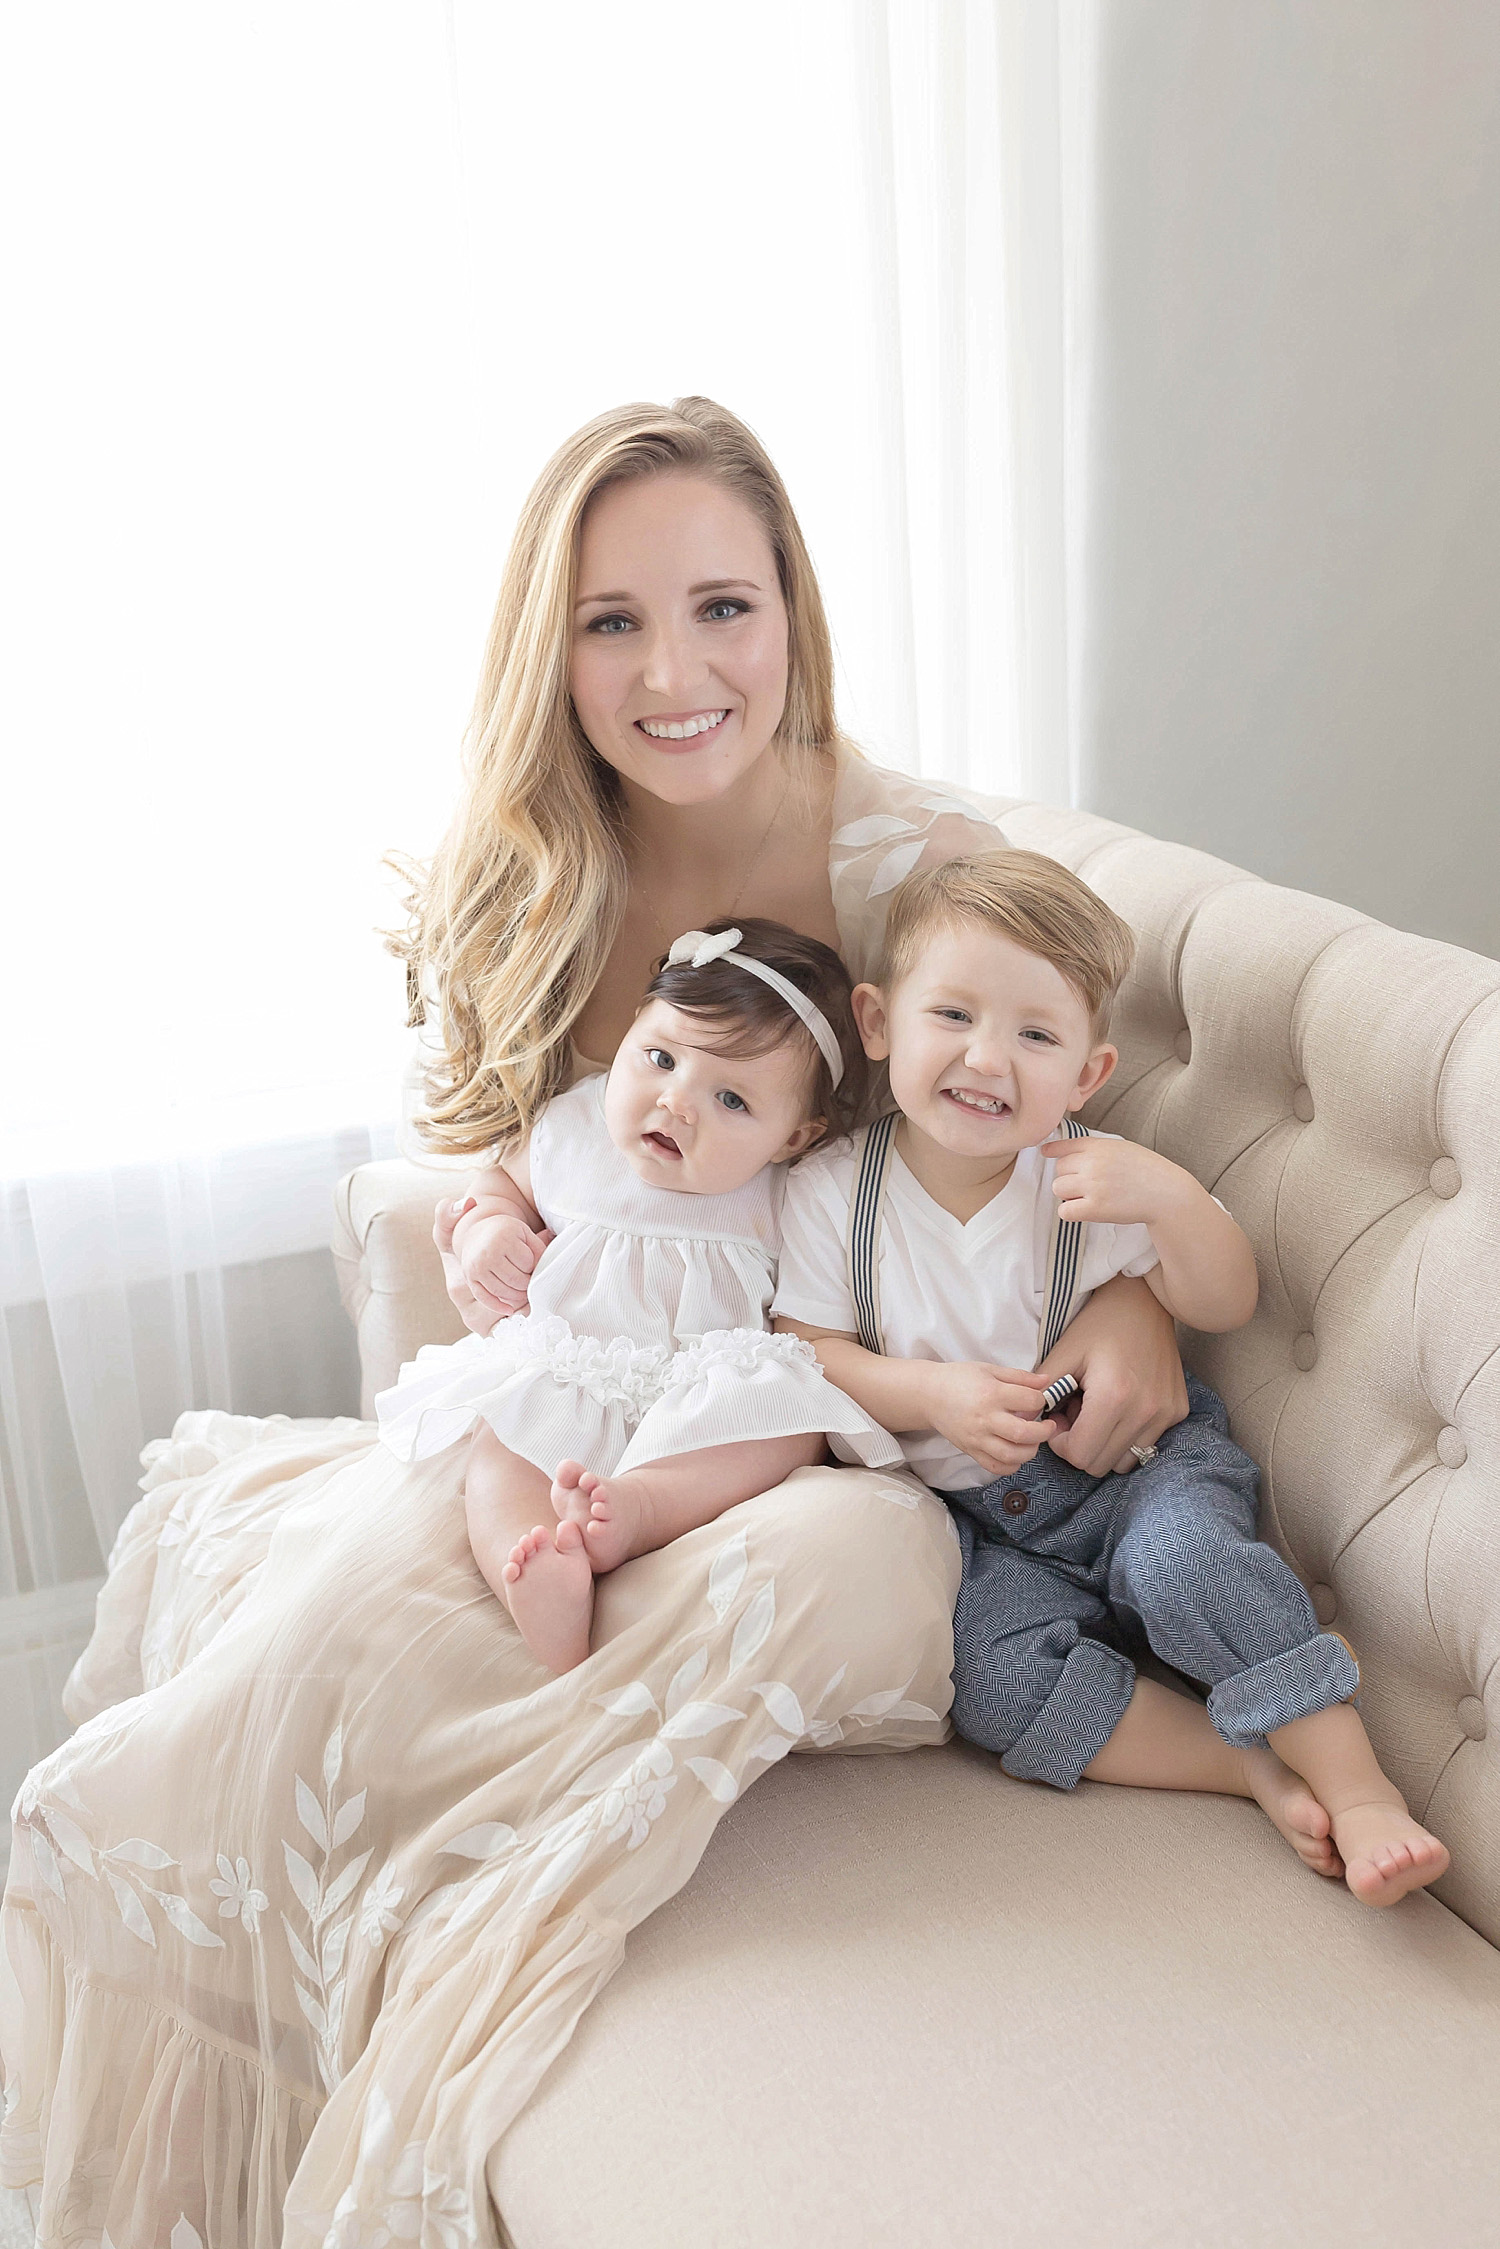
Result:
x=679 y=666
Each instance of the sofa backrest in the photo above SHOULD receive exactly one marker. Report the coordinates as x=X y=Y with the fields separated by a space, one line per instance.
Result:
x=1337 y=1085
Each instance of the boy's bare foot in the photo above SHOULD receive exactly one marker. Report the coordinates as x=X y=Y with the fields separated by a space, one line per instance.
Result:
x=607 y=1509
x=549 y=1589
x=1385 y=1852
x=1293 y=1810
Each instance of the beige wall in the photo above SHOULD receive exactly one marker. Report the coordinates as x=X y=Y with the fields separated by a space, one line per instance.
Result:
x=1291 y=643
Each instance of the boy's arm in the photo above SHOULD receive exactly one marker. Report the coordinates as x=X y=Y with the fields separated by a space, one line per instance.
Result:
x=1207 y=1275
x=986 y=1412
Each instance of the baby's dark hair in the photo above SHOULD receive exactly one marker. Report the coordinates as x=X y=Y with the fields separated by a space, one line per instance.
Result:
x=756 y=1018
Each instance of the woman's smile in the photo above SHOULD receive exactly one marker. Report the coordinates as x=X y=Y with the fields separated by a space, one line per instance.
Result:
x=668 y=729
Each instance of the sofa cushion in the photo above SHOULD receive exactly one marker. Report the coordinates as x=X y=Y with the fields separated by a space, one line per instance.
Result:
x=906 y=2003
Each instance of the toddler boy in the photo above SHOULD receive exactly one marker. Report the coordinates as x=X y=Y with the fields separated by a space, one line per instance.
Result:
x=933 y=1268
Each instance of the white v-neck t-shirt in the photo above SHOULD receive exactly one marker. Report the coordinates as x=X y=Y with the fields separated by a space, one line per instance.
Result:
x=948 y=1291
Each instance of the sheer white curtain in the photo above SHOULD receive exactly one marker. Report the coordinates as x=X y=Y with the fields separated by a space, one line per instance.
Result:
x=302 y=296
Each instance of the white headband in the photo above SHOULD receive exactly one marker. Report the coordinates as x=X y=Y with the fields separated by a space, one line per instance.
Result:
x=696 y=950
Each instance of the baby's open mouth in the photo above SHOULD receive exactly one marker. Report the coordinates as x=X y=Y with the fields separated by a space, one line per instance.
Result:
x=978 y=1104
x=662 y=1145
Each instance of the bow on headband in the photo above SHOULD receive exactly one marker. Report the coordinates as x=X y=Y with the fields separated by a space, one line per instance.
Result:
x=696 y=949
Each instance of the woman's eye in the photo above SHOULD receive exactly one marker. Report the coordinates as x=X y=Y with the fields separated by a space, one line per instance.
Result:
x=718 y=611
x=659 y=1056
x=610 y=626
x=733 y=1101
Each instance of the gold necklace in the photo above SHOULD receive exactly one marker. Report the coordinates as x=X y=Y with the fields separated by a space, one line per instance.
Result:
x=744 y=883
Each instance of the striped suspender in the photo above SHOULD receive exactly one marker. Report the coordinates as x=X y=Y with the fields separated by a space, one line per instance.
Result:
x=866 y=1209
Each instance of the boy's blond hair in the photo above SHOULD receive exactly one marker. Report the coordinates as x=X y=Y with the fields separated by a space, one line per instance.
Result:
x=1026 y=897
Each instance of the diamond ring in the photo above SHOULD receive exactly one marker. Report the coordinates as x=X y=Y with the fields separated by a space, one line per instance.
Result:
x=1144 y=1453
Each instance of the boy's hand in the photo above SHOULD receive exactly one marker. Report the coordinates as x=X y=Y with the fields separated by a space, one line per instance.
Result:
x=1116 y=1182
x=497 y=1257
x=989 y=1413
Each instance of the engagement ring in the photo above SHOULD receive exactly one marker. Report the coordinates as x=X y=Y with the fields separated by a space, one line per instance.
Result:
x=1143 y=1453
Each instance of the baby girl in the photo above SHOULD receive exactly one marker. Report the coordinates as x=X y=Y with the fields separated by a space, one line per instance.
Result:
x=632 y=1389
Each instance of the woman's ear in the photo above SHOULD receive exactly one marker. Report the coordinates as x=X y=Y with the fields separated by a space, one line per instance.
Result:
x=1099 y=1067
x=868 y=1003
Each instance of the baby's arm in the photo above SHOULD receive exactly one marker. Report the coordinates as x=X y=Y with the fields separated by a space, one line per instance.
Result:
x=499 y=1236
x=1207 y=1275
x=986 y=1412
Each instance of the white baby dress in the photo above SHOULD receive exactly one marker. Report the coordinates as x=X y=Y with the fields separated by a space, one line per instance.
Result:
x=663 y=1348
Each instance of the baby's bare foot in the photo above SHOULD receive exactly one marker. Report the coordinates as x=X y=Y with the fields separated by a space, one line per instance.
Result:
x=549 y=1588
x=613 y=1530
x=1293 y=1810
x=568 y=1503
x=1385 y=1852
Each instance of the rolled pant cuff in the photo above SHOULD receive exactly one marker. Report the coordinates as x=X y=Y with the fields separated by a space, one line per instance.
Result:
x=1077 y=1718
x=1253 y=1703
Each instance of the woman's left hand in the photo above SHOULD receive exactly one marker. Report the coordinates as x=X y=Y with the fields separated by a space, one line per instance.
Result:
x=1122 y=1350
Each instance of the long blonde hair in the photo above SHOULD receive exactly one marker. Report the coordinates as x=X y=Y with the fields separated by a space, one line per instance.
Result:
x=513 y=921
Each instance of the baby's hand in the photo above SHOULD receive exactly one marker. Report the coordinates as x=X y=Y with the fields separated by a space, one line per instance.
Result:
x=990 y=1413
x=1116 y=1182
x=497 y=1257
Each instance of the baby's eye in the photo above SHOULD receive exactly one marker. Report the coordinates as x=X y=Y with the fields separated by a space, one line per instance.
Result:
x=733 y=1101
x=610 y=626
x=659 y=1057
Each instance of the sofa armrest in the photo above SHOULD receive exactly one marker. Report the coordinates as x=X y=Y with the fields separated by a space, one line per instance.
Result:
x=390 y=1275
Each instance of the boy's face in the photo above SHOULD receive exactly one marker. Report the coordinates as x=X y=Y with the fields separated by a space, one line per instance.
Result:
x=989 y=1045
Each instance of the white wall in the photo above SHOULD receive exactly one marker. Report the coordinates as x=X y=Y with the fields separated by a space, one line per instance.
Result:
x=1292 y=572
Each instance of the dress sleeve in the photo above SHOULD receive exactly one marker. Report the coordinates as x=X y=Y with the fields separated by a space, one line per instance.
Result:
x=885 y=826
x=812 y=1280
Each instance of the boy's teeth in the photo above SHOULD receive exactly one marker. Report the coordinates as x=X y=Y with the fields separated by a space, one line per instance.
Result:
x=679 y=731
x=985 y=1103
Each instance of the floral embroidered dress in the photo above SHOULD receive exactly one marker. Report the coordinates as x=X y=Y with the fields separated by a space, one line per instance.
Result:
x=646 y=1328
x=320 y=1886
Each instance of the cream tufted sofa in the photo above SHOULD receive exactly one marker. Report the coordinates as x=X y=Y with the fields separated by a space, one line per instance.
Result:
x=907 y=2003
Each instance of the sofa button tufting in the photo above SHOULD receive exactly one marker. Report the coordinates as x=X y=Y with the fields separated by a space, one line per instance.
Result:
x=1443 y=1177
x=1451 y=1449
x=1182 y=1045
x=1016 y=1503
x=1302 y=1105
x=1471 y=1717
x=1305 y=1351
x=1325 y=1603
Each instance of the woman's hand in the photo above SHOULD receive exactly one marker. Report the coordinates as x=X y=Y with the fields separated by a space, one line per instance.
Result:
x=1123 y=1351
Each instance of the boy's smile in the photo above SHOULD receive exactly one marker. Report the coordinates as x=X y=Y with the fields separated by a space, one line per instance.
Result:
x=989 y=1048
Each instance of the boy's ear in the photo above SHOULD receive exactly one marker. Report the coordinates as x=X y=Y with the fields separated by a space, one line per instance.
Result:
x=868 y=1003
x=1099 y=1067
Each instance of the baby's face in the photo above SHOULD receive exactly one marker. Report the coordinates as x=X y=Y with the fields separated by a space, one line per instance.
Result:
x=687 y=1117
x=989 y=1045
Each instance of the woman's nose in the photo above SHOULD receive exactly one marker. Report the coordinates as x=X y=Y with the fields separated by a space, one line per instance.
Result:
x=672 y=668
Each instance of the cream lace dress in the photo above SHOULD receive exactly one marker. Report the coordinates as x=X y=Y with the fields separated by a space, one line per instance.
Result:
x=645 y=1333
x=322 y=1883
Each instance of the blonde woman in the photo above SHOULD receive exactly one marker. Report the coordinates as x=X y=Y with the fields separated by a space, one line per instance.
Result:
x=300 y=1914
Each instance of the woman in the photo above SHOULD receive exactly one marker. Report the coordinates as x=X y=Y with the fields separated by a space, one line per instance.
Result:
x=302 y=1924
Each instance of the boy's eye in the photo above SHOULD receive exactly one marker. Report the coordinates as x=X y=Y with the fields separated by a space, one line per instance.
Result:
x=953 y=1014
x=1045 y=1038
x=733 y=1101
x=660 y=1057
